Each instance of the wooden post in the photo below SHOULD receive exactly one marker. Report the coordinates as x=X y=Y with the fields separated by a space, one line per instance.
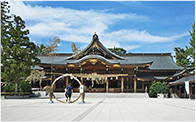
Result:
x=135 y=83
x=143 y=85
x=82 y=80
x=122 y=84
x=107 y=87
x=180 y=92
x=191 y=91
x=66 y=81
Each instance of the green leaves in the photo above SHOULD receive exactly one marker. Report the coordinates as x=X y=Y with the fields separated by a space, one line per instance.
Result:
x=186 y=57
x=18 y=54
x=158 y=87
x=117 y=50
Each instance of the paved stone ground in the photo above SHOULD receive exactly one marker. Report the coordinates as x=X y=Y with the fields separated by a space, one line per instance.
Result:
x=99 y=107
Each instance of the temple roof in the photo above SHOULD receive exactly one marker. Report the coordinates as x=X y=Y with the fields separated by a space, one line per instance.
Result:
x=95 y=50
x=96 y=47
x=161 y=62
x=190 y=78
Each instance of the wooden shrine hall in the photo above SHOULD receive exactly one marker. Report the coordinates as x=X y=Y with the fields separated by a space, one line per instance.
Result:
x=122 y=72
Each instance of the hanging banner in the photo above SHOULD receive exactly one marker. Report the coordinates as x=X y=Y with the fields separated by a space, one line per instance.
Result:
x=187 y=86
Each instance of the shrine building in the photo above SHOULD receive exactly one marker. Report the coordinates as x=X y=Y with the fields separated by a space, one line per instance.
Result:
x=132 y=72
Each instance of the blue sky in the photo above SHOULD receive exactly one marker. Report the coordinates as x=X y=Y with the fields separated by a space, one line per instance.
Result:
x=137 y=26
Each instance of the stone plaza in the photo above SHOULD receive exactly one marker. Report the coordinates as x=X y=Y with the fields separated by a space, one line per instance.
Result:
x=99 y=107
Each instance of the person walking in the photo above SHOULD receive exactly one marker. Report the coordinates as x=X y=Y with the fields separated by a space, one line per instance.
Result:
x=69 y=92
x=66 y=96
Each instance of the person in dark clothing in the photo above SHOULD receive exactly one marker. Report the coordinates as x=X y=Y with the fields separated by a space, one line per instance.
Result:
x=66 y=94
x=69 y=92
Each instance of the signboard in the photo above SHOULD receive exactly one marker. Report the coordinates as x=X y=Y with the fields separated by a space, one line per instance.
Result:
x=81 y=88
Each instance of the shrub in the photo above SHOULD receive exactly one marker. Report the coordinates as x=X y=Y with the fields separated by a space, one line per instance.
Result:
x=24 y=86
x=158 y=87
x=9 y=88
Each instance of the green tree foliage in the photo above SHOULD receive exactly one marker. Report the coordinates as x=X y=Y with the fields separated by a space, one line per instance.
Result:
x=158 y=87
x=41 y=47
x=181 y=57
x=117 y=50
x=18 y=54
x=4 y=20
x=186 y=57
x=22 y=87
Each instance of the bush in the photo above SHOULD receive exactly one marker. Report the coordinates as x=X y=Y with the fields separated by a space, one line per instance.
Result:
x=158 y=87
x=9 y=88
x=22 y=87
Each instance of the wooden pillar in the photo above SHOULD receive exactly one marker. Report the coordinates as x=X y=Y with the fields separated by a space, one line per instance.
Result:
x=191 y=91
x=180 y=92
x=67 y=81
x=122 y=84
x=135 y=85
x=142 y=85
x=107 y=85
x=82 y=80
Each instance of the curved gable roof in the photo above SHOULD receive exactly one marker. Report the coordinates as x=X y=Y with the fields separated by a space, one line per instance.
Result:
x=95 y=43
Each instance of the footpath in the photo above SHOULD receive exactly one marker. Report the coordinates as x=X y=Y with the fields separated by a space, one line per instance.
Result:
x=99 y=107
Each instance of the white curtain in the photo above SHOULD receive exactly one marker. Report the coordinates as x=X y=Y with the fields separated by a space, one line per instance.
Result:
x=187 y=86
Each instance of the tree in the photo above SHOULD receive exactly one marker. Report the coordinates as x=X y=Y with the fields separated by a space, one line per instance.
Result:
x=50 y=50
x=21 y=53
x=181 y=57
x=18 y=54
x=186 y=57
x=117 y=50
x=41 y=47
x=76 y=50
x=4 y=20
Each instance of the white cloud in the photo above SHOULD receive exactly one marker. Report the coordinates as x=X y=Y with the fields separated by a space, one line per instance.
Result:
x=79 y=25
x=131 y=47
x=142 y=36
